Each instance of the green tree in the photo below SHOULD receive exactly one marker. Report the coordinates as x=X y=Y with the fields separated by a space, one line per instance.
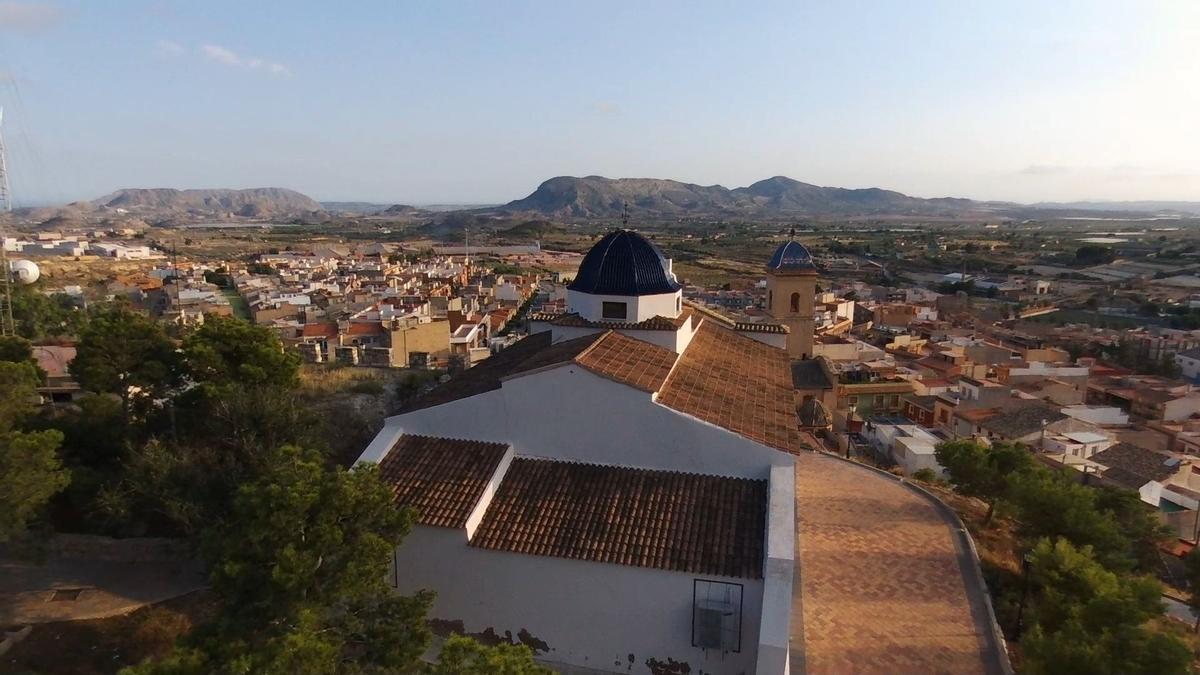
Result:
x=18 y=393
x=126 y=354
x=1090 y=620
x=30 y=474
x=1051 y=505
x=977 y=470
x=15 y=349
x=298 y=564
x=464 y=656
x=226 y=350
x=1191 y=567
x=1136 y=520
x=38 y=316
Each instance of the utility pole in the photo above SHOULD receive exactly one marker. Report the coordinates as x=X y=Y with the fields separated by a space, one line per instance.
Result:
x=8 y=327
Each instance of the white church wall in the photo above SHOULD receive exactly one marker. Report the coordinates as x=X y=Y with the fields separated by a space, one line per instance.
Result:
x=542 y=416
x=588 y=614
x=639 y=307
x=622 y=425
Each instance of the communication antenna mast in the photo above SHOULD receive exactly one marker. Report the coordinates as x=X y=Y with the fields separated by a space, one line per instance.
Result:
x=7 y=325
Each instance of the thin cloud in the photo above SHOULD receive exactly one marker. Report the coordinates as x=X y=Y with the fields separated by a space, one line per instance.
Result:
x=28 y=17
x=169 y=47
x=605 y=108
x=228 y=57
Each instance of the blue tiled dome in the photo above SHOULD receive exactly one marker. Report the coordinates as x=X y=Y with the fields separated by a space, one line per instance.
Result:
x=624 y=263
x=791 y=255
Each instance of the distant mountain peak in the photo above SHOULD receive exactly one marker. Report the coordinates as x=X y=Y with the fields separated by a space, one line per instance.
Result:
x=249 y=202
x=777 y=196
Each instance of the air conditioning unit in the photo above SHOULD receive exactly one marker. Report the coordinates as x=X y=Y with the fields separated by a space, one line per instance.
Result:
x=712 y=625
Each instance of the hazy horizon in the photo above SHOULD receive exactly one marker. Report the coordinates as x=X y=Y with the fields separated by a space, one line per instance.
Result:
x=476 y=103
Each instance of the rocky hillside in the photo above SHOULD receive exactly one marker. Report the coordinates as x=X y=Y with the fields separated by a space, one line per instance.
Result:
x=249 y=203
x=599 y=197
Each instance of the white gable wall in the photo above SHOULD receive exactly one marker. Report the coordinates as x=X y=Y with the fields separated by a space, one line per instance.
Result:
x=589 y=614
x=569 y=413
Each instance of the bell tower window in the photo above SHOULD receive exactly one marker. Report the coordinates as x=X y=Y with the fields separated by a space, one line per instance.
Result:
x=795 y=303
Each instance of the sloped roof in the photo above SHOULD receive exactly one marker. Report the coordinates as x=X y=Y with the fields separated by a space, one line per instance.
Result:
x=441 y=478
x=325 y=330
x=54 y=359
x=483 y=377
x=1134 y=466
x=660 y=519
x=1022 y=418
x=737 y=383
x=365 y=328
x=636 y=363
x=723 y=378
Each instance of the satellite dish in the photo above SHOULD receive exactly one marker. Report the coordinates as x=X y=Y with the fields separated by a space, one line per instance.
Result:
x=24 y=272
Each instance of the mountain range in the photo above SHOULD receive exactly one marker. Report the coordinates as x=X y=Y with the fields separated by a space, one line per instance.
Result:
x=584 y=198
x=248 y=203
x=596 y=196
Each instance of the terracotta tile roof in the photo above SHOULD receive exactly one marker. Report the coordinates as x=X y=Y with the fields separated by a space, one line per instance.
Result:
x=609 y=354
x=573 y=320
x=54 y=359
x=325 y=330
x=554 y=354
x=629 y=361
x=753 y=327
x=483 y=377
x=365 y=328
x=661 y=519
x=441 y=478
x=737 y=383
x=1016 y=419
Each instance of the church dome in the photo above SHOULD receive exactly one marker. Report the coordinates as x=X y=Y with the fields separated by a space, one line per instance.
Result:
x=624 y=263
x=814 y=414
x=791 y=256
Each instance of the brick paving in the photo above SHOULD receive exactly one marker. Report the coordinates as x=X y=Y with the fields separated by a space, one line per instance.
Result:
x=882 y=587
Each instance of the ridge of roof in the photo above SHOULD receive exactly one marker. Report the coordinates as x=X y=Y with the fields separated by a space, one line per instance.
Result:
x=442 y=479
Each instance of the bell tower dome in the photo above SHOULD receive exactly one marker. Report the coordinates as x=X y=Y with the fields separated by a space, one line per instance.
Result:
x=791 y=289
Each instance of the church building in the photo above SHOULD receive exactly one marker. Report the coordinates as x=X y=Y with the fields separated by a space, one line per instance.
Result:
x=616 y=490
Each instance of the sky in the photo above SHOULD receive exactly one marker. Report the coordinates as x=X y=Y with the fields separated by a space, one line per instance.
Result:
x=478 y=102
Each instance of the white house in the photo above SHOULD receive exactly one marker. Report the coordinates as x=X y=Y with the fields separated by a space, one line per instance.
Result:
x=909 y=445
x=618 y=504
x=1189 y=362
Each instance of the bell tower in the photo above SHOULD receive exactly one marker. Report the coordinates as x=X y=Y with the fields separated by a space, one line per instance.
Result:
x=791 y=289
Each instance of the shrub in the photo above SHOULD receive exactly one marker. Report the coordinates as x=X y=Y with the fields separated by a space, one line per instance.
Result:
x=925 y=475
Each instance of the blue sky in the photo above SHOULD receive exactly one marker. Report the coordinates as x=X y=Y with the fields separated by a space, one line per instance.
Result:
x=478 y=102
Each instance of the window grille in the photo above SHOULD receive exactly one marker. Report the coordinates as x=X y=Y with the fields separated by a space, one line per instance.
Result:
x=717 y=615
